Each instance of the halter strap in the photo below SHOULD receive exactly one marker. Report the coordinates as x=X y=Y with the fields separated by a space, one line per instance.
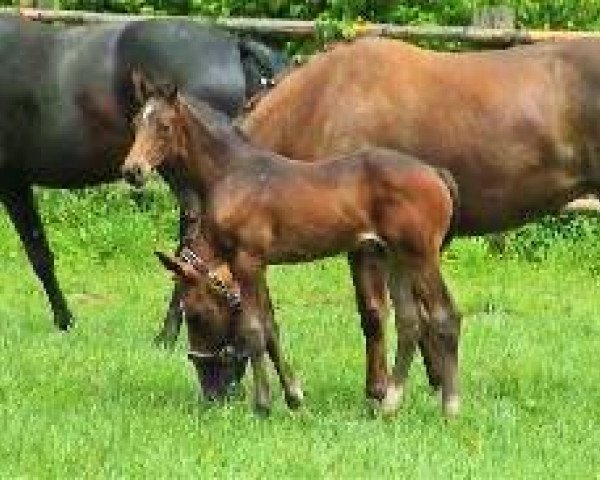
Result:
x=233 y=299
x=226 y=352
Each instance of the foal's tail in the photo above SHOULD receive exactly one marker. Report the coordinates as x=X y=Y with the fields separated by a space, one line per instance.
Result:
x=452 y=187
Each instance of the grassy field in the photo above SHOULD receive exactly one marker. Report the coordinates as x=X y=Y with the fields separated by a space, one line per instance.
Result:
x=102 y=401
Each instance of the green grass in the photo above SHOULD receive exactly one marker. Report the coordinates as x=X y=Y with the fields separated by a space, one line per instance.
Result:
x=102 y=401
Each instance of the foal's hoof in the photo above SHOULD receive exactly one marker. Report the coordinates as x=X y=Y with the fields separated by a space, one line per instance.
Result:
x=295 y=396
x=451 y=406
x=389 y=404
x=392 y=400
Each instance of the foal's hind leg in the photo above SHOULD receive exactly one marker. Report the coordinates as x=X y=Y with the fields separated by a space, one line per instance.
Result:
x=431 y=358
x=369 y=278
x=407 y=327
x=444 y=321
x=17 y=196
x=289 y=381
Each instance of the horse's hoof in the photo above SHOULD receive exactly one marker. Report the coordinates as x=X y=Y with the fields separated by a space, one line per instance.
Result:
x=451 y=406
x=295 y=396
x=392 y=400
x=389 y=404
x=64 y=322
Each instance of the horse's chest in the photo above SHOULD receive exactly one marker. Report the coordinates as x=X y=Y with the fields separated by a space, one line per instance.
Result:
x=103 y=125
x=82 y=140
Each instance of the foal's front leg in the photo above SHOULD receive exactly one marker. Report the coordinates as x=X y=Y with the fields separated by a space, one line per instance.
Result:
x=289 y=381
x=250 y=332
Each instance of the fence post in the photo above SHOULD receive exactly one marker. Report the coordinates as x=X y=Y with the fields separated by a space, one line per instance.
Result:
x=500 y=16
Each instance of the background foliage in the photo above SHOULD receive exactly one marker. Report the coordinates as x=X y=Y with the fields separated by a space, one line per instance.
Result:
x=563 y=14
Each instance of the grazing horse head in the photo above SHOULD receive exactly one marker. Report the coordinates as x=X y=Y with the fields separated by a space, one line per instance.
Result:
x=211 y=304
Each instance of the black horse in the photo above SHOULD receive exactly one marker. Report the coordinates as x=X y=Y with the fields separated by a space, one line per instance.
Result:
x=67 y=99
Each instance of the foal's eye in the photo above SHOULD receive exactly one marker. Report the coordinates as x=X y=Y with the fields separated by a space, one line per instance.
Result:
x=163 y=128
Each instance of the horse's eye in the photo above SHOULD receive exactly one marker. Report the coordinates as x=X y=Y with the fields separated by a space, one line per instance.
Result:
x=163 y=128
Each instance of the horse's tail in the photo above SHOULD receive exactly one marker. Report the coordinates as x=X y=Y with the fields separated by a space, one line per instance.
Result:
x=452 y=187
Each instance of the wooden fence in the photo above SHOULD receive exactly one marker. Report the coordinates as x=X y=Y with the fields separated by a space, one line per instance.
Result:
x=306 y=28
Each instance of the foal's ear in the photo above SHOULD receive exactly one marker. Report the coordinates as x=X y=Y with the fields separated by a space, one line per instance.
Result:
x=182 y=270
x=168 y=91
x=143 y=88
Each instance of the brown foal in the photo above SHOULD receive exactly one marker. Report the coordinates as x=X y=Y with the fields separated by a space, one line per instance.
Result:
x=259 y=208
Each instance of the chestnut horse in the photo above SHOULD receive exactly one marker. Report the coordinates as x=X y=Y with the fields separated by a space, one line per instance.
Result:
x=519 y=129
x=259 y=209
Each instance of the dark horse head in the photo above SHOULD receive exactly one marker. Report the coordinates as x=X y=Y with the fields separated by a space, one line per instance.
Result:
x=261 y=65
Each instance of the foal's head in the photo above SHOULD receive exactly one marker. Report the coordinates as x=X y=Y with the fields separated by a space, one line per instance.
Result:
x=159 y=133
x=210 y=302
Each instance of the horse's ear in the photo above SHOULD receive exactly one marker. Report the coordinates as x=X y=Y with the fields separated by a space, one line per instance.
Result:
x=143 y=88
x=181 y=270
x=169 y=91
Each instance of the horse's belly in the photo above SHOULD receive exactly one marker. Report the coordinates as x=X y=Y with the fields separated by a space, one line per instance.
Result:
x=302 y=239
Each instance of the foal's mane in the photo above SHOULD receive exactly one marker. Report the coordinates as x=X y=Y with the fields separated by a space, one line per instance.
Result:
x=215 y=121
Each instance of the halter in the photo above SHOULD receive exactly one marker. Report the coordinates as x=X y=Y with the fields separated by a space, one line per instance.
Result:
x=227 y=352
x=233 y=299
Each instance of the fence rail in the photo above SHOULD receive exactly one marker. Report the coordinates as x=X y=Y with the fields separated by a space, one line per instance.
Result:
x=306 y=28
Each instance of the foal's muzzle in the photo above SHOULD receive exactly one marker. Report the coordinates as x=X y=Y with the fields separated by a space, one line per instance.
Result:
x=134 y=175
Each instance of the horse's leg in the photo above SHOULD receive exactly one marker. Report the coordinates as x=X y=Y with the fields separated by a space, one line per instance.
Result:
x=369 y=278
x=431 y=359
x=407 y=327
x=289 y=381
x=250 y=329
x=444 y=321
x=17 y=196
x=189 y=213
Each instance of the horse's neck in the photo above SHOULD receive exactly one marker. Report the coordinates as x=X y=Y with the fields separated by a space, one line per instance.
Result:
x=214 y=152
